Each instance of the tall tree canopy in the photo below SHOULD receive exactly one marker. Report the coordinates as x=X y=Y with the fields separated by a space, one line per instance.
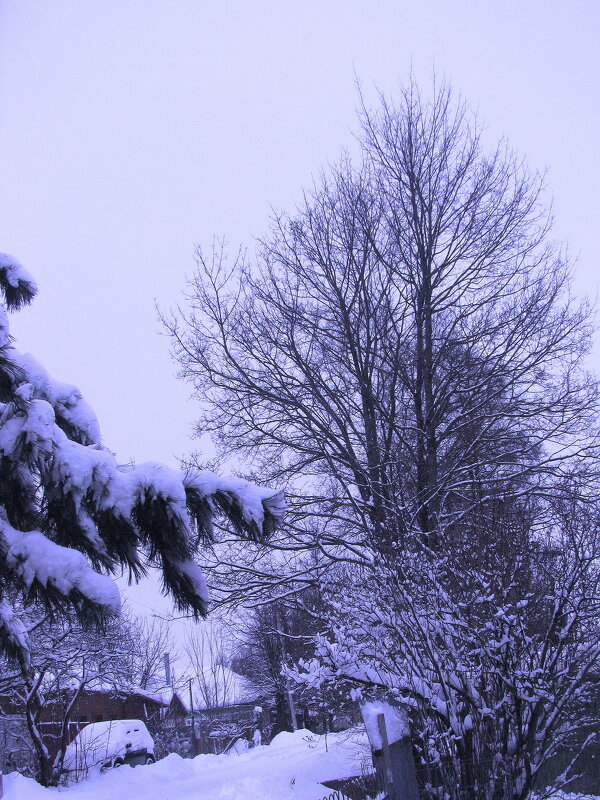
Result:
x=404 y=352
x=70 y=514
x=405 y=345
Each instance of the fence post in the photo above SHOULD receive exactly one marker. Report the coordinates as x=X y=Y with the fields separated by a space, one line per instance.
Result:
x=387 y=762
x=388 y=730
x=398 y=766
x=2 y=768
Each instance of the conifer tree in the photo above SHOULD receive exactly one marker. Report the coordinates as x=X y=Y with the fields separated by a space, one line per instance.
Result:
x=70 y=515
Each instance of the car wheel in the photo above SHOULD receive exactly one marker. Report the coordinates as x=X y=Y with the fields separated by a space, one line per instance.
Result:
x=118 y=762
x=150 y=759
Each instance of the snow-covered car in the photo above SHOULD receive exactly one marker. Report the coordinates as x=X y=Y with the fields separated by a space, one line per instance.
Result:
x=109 y=744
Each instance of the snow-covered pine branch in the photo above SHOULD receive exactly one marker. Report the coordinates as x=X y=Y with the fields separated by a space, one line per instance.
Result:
x=70 y=514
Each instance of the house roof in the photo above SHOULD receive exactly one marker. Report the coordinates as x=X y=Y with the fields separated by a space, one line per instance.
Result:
x=227 y=688
x=99 y=686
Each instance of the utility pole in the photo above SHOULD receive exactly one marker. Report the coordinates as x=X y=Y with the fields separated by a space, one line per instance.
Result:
x=194 y=743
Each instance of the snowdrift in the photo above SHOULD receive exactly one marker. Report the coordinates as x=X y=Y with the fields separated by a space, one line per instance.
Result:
x=291 y=767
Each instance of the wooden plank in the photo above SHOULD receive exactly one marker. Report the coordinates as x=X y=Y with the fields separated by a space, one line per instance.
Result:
x=387 y=764
x=403 y=768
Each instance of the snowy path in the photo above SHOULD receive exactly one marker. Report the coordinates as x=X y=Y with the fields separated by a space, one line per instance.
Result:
x=291 y=768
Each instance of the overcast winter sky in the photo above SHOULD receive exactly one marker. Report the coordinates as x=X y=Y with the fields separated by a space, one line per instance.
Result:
x=132 y=129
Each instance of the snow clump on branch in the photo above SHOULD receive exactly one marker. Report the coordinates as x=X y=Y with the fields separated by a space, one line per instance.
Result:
x=70 y=514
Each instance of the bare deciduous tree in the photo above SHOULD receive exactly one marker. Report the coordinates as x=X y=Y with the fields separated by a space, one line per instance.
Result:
x=406 y=344
x=213 y=682
x=152 y=639
x=405 y=356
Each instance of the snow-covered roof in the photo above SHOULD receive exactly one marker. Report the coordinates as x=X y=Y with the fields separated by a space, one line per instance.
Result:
x=99 y=686
x=228 y=689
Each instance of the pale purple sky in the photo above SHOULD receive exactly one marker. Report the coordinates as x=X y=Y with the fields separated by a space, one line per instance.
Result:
x=132 y=129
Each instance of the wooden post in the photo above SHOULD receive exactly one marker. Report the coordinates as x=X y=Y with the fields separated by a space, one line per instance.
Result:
x=403 y=769
x=194 y=742
x=398 y=766
x=388 y=730
x=2 y=758
x=387 y=763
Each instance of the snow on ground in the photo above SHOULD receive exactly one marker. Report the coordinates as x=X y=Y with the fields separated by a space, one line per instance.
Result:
x=290 y=768
x=572 y=796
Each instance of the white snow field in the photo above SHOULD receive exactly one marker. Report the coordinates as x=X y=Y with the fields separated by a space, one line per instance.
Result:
x=290 y=768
